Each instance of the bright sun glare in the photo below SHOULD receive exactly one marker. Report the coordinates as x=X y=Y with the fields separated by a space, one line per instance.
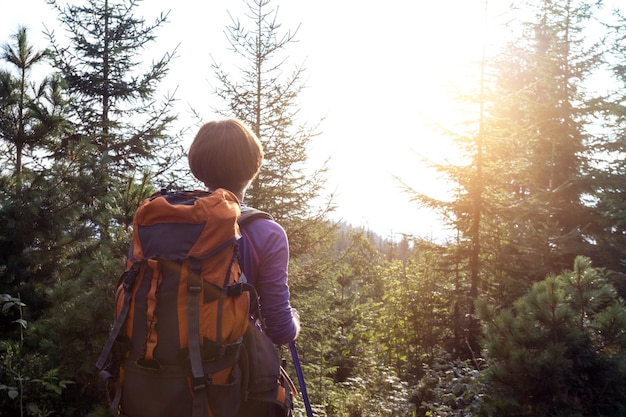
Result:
x=377 y=74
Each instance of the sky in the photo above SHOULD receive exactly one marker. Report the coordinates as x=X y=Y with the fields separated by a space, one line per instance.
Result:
x=377 y=73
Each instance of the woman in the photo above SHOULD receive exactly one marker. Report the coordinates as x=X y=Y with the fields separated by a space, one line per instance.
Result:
x=227 y=154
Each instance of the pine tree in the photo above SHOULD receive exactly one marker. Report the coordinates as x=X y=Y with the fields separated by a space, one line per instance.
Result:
x=559 y=349
x=119 y=127
x=519 y=201
x=43 y=232
x=19 y=122
x=257 y=91
x=466 y=213
x=31 y=120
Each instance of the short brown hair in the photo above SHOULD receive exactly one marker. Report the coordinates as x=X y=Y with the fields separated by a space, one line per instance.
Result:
x=225 y=154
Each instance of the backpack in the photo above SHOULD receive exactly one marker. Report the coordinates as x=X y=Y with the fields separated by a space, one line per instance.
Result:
x=183 y=343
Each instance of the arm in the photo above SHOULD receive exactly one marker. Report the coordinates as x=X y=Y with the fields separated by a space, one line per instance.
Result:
x=270 y=277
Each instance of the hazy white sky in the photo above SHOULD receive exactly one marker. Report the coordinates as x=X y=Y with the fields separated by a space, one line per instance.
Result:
x=375 y=71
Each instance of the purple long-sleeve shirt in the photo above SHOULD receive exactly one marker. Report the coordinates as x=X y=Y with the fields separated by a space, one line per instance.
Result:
x=264 y=257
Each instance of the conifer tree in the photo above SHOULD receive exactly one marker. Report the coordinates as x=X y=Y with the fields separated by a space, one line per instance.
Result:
x=262 y=96
x=121 y=129
x=466 y=213
x=85 y=197
x=256 y=90
x=539 y=125
x=31 y=120
x=113 y=102
x=559 y=349
x=19 y=122
x=518 y=202
x=43 y=233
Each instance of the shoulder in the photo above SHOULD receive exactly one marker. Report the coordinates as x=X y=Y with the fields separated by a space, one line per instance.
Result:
x=263 y=228
x=260 y=229
x=249 y=214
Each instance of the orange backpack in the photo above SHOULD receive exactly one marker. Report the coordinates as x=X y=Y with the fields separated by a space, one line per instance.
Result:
x=182 y=308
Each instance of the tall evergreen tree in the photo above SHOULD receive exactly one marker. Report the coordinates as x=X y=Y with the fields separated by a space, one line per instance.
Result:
x=19 y=121
x=466 y=213
x=519 y=204
x=267 y=101
x=113 y=101
x=43 y=233
x=540 y=119
x=80 y=207
x=256 y=90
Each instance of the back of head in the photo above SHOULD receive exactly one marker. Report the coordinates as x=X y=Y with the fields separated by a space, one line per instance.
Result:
x=225 y=154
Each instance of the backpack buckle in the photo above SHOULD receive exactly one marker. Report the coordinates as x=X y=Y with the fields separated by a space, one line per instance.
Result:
x=194 y=288
x=128 y=277
x=200 y=383
x=235 y=290
x=194 y=284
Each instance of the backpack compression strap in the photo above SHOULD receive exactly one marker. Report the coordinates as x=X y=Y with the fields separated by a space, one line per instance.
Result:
x=201 y=374
x=128 y=281
x=199 y=380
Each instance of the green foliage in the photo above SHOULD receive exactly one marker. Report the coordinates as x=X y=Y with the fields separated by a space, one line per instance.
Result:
x=29 y=385
x=370 y=322
x=530 y=193
x=557 y=349
x=65 y=216
x=378 y=392
x=24 y=122
x=385 y=324
x=450 y=387
x=540 y=125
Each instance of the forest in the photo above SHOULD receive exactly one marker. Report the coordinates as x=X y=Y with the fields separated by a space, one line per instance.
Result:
x=520 y=313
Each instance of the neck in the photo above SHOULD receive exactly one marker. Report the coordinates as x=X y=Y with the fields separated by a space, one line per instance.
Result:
x=239 y=194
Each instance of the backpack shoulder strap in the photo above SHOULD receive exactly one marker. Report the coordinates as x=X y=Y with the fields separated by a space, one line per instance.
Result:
x=248 y=214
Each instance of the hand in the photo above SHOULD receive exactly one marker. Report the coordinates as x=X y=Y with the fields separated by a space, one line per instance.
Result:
x=295 y=314
x=296 y=320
